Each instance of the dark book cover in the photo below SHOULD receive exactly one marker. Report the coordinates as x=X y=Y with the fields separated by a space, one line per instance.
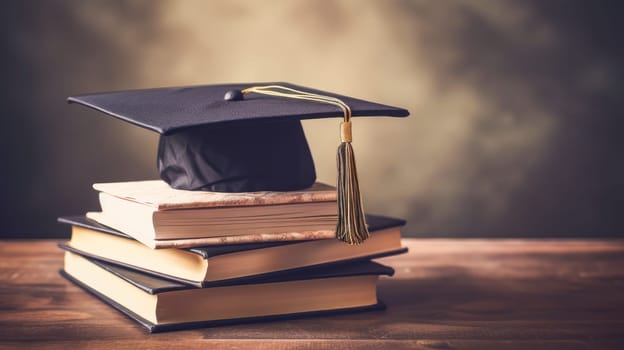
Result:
x=375 y=222
x=154 y=285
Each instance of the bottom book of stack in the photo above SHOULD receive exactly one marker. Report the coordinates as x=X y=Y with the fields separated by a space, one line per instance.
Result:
x=162 y=304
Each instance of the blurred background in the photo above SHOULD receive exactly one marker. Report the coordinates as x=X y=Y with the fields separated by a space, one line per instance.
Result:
x=516 y=106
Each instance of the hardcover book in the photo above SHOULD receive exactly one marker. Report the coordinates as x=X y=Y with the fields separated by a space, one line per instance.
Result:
x=201 y=265
x=161 y=216
x=161 y=305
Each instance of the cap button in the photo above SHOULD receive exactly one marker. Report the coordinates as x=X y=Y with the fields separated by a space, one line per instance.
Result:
x=233 y=95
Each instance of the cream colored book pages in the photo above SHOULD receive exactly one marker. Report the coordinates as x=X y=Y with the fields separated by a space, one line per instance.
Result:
x=161 y=196
x=120 y=291
x=129 y=227
x=173 y=262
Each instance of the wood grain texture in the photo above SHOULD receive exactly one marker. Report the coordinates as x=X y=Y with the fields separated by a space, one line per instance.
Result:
x=446 y=294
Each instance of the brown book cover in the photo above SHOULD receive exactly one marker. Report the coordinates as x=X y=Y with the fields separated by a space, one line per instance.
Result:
x=160 y=216
x=159 y=195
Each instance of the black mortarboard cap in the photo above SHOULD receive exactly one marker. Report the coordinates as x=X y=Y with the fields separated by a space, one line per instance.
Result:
x=245 y=138
x=234 y=143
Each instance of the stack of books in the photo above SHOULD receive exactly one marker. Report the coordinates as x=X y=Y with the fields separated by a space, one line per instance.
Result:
x=174 y=259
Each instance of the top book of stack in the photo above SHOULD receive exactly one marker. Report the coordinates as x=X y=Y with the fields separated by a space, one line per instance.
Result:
x=162 y=217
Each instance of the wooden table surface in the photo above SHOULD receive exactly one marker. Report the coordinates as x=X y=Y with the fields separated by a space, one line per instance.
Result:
x=446 y=294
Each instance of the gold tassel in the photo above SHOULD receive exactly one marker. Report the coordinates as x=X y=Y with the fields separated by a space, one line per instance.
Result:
x=351 y=226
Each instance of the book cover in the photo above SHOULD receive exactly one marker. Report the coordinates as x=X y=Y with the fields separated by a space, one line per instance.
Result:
x=375 y=223
x=160 y=196
x=272 y=258
x=153 y=213
x=153 y=286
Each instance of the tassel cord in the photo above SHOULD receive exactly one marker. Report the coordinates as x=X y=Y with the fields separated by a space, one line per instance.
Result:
x=351 y=227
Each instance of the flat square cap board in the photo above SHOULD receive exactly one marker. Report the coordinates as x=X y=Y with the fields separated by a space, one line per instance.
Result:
x=166 y=110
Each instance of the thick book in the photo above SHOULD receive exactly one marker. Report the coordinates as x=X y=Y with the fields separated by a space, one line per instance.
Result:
x=161 y=305
x=160 y=216
x=201 y=265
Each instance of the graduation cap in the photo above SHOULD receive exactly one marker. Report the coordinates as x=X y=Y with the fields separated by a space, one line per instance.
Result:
x=245 y=138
